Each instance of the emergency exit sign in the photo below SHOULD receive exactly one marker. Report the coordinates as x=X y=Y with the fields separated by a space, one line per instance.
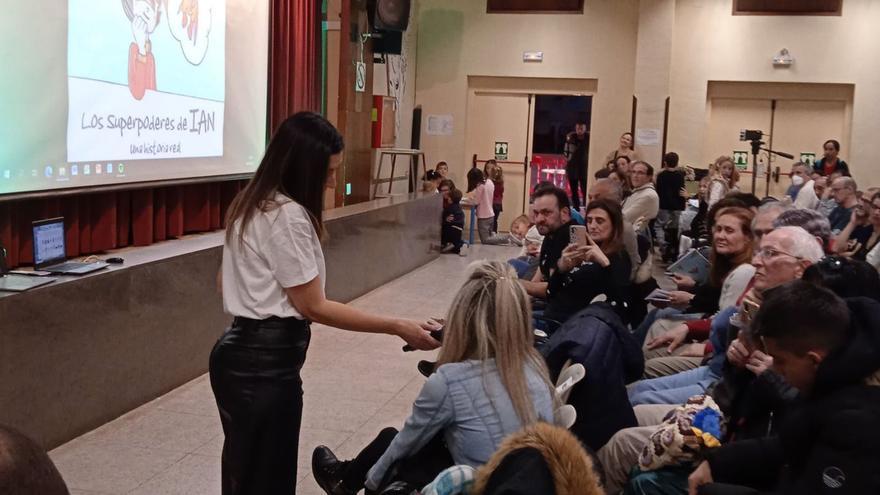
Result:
x=501 y=148
x=741 y=159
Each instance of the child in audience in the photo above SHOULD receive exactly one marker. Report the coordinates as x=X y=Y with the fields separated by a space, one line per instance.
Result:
x=446 y=186
x=480 y=193
x=431 y=181
x=490 y=383
x=442 y=170
x=453 y=225
x=526 y=264
x=498 y=195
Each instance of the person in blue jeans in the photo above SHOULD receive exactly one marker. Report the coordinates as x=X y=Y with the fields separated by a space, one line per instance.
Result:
x=677 y=388
x=783 y=256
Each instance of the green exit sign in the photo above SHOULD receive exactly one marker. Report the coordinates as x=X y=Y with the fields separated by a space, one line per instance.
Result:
x=348 y=188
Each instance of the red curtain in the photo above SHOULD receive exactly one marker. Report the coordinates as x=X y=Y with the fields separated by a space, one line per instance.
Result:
x=100 y=221
x=294 y=59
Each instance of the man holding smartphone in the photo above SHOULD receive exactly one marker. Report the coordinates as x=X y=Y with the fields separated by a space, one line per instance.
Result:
x=552 y=219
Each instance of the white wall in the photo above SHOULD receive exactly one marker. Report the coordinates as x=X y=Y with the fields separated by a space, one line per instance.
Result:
x=458 y=39
x=710 y=44
x=653 y=49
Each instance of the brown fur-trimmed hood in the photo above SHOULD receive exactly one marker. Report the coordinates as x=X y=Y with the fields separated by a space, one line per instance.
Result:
x=572 y=469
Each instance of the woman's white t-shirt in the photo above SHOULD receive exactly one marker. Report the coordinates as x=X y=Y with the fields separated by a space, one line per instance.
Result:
x=280 y=250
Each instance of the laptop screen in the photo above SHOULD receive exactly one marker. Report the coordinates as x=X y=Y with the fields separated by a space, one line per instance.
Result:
x=49 y=241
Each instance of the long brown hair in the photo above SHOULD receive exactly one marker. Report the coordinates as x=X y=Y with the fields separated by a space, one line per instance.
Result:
x=491 y=317
x=614 y=244
x=296 y=165
x=722 y=265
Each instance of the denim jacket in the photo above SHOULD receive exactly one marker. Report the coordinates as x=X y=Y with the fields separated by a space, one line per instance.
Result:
x=469 y=404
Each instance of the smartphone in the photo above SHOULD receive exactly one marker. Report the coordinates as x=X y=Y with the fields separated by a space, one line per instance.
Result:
x=436 y=334
x=577 y=234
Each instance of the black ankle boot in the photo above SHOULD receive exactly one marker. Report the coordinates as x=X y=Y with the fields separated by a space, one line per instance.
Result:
x=328 y=472
x=426 y=368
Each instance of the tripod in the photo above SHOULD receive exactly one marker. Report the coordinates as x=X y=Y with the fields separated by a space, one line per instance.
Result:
x=756 y=148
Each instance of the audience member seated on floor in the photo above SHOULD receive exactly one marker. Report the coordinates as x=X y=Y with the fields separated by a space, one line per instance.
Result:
x=452 y=227
x=25 y=468
x=446 y=186
x=431 y=181
x=601 y=266
x=862 y=232
x=519 y=228
x=541 y=459
x=808 y=195
x=610 y=190
x=490 y=382
x=442 y=169
x=753 y=401
x=811 y=221
x=553 y=220
x=830 y=351
x=597 y=338
x=701 y=299
x=622 y=179
x=783 y=256
x=729 y=270
x=723 y=173
x=697 y=227
x=643 y=204
x=843 y=190
x=526 y=264
x=845 y=277
x=799 y=176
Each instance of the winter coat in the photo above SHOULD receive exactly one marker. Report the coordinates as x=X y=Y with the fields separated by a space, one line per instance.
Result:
x=596 y=338
x=540 y=460
x=828 y=444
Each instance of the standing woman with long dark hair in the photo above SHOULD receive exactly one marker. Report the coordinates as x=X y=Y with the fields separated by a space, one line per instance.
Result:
x=273 y=284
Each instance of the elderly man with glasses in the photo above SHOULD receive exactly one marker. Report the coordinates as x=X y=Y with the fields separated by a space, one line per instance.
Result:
x=783 y=255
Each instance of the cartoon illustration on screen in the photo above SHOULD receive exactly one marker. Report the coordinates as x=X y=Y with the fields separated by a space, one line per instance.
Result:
x=146 y=79
x=186 y=25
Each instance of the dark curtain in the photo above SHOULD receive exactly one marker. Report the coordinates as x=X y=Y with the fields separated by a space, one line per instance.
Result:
x=294 y=59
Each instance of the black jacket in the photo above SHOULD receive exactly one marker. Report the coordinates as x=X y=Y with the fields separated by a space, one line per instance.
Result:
x=669 y=185
x=829 y=443
x=597 y=338
x=453 y=210
x=572 y=291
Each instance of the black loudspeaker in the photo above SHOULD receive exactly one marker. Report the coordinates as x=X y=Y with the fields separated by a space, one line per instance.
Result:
x=389 y=15
x=416 y=135
x=388 y=42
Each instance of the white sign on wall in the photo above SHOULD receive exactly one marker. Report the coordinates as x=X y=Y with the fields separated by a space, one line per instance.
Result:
x=648 y=137
x=438 y=125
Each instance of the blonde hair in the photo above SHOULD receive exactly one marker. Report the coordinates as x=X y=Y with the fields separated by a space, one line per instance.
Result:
x=491 y=318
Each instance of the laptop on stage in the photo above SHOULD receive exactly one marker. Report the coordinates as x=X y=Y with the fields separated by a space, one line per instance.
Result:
x=50 y=253
x=18 y=283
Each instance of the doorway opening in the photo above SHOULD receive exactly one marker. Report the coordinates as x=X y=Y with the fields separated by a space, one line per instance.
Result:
x=555 y=117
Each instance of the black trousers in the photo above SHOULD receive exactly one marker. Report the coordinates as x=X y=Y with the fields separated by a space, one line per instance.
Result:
x=573 y=182
x=417 y=470
x=497 y=208
x=255 y=375
x=451 y=234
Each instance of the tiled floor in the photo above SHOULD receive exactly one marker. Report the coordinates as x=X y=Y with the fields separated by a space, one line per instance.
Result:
x=355 y=385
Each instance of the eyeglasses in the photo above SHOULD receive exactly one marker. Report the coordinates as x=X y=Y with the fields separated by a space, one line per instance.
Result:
x=768 y=252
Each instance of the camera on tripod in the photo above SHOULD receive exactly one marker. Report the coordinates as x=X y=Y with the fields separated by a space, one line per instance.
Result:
x=750 y=135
